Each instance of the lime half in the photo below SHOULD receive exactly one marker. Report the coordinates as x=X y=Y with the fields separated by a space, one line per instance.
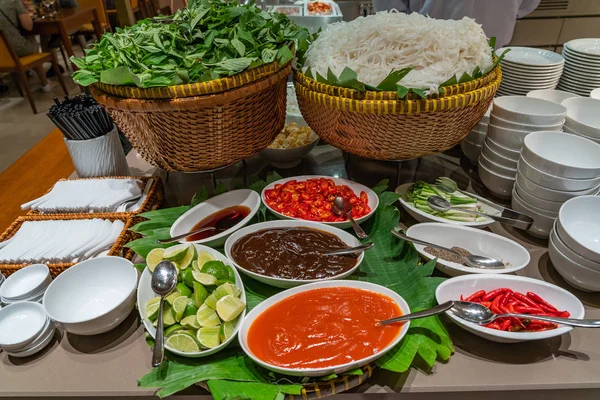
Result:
x=154 y=257
x=176 y=253
x=215 y=268
x=179 y=306
x=183 y=343
x=229 y=307
x=170 y=299
x=152 y=308
x=206 y=316
x=187 y=259
x=204 y=279
x=203 y=258
x=209 y=336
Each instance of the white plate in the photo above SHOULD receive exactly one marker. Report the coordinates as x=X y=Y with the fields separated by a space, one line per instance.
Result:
x=337 y=369
x=531 y=56
x=589 y=47
x=355 y=186
x=422 y=216
x=476 y=241
x=146 y=294
x=344 y=236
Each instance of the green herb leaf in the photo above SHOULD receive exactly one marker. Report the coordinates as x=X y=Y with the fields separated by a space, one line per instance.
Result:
x=402 y=91
x=419 y=92
x=389 y=83
x=450 y=82
x=284 y=54
x=465 y=78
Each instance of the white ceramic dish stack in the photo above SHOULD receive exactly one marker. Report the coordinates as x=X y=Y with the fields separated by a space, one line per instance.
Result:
x=583 y=118
x=574 y=246
x=554 y=167
x=582 y=66
x=553 y=95
x=511 y=120
x=525 y=69
x=471 y=145
x=27 y=284
x=25 y=329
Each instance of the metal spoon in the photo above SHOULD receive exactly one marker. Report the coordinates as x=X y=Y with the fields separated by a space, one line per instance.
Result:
x=479 y=314
x=164 y=280
x=221 y=225
x=438 y=203
x=473 y=260
x=421 y=314
x=342 y=207
x=349 y=250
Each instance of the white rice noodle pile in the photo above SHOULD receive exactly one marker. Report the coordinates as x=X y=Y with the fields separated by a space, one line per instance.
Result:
x=373 y=46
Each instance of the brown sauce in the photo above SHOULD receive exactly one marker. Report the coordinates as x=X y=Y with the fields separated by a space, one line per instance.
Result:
x=292 y=253
x=226 y=218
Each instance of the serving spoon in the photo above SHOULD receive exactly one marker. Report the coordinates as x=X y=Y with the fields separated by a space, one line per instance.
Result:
x=222 y=225
x=349 y=250
x=472 y=260
x=164 y=280
x=421 y=314
x=342 y=208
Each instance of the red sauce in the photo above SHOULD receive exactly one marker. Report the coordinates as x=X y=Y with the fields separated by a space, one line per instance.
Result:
x=323 y=328
x=213 y=219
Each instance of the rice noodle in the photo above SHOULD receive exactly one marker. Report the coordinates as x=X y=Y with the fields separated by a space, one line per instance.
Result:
x=373 y=46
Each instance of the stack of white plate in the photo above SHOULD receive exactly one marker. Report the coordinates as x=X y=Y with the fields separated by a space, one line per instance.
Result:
x=553 y=168
x=513 y=118
x=471 y=145
x=583 y=118
x=25 y=329
x=27 y=284
x=574 y=246
x=525 y=69
x=582 y=66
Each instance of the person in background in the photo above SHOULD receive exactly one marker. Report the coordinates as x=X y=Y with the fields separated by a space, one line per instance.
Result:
x=497 y=17
x=15 y=21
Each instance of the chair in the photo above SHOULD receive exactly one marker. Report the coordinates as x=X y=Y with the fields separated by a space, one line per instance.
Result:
x=89 y=28
x=17 y=66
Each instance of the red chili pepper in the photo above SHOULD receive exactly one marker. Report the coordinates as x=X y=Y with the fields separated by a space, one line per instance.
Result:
x=543 y=323
x=527 y=301
x=506 y=324
x=493 y=325
x=475 y=295
x=495 y=304
x=486 y=303
x=534 y=327
x=527 y=310
x=565 y=314
x=506 y=298
x=491 y=295
x=541 y=301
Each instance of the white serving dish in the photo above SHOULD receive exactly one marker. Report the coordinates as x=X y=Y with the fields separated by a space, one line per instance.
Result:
x=495 y=167
x=145 y=294
x=26 y=283
x=545 y=151
x=422 y=216
x=588 y=46
x=531 y=56
x=21 y=323
x=530 y=199
x=240 y=197
x=498 y=158
x=528 y=110
x=337 y=369
x=555 y=96
x=355 y=186
x=511 y=138
x=555 y=182
x=468 y=284
x=550 y=194
x=93 y=296
x=595 y=94
x=575 y=274
x=344 y=236
x=570 y=254
x=542 y=222
x=503 y=151
x=471 y=151
x=476 y=241
x=583 y=116
x=579 y=226
x=291 y=157
x=499 y=185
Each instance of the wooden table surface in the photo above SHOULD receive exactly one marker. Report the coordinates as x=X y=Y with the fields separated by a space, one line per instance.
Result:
x=32 y=175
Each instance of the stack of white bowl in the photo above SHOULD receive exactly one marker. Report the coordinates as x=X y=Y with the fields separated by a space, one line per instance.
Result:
x=511 y=120
x=471 y=145
x=595 y=94
x=574 y=246
x=553 y=168
x=583 y=118
x=525 y=69
x=27 y=284
x=553 y=95
x=582 y=66
x=25 y=329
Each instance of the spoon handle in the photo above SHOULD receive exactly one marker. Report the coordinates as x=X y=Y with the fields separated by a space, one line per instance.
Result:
x=580 y=323
x=422 y=242
x=421 y=314
x=351 y=250
x=357 y=229
x=159 y=342
x=178 y=237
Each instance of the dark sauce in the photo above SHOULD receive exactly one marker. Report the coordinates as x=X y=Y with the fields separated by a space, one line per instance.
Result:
x=292 y=253
x=230 y=217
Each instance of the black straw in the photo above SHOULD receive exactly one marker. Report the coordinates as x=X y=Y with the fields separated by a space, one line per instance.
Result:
x=80 y=118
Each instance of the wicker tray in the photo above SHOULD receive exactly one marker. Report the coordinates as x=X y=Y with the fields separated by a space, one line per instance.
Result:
x=55 y=269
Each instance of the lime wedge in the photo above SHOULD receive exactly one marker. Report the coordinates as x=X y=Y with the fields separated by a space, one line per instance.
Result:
x=227 y=330
x=168 y=317
x=227 y=289
x=203 y=278
x=206 y=316
x=183 y=343
x=170 y=299
x=190 y=322
x=200 y=294
x=211 y=301
x=187 y=277
x=229 y=307
x=179 y=306
x=184 y=290
x=230 y=273
x=195 y=265
x=203 y=258
x=154 y=257
x=187 y=259
x=209 y=336
x=172 y=329
x=190 y=309
x=176 y=253
x=152 y=308
x=215 y=268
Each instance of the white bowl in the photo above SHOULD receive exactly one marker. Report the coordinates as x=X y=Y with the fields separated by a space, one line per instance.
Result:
x=529 y=110
x=337 y=369
x=468 y=284
x=570 y=254
x=499 y=185
x=21 y=323
x=545 y=151
x=477 y=137
x=145 y=294
x=595 y=94
x=536 y=201
x=498 y=158
x=344 y=236
x=555 y=96
x=93 y=296
x=38 y=345
x=287 y=158
x=530 y=56
x=550 y=194
x=542 y=222
x=476 y=241
x=551 y=181
x=575 y=274
x=579 y=226
x=471 y=151
x=495 y=167
x=511 y=138
x=355 y=186
x=241 y=197
x=26 y=282
x=503 y=151
x=583 y=115
x=422 y=216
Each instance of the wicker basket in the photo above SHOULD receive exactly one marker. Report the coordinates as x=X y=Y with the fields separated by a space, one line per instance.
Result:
x=117 y=249
x=394 y=129
x=203 y=132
